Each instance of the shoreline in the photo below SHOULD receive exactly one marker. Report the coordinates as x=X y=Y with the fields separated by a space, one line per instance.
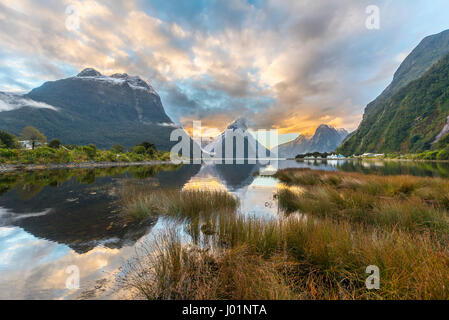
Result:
x=372 y=159
x=4 y=168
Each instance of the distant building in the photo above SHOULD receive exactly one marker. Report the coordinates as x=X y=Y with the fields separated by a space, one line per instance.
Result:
x=372 y=155
x=26 y=144
x=336 y=156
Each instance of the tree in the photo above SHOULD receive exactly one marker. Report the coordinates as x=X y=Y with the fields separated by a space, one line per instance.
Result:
x=443 y=154
x=33 y=135
x=90 y=150
x=117 y=148
x=149 y=147
x=139 y=150
x=7 y=140
x=55 y=144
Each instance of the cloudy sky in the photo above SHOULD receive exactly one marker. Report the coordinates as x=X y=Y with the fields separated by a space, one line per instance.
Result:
x=285 y=64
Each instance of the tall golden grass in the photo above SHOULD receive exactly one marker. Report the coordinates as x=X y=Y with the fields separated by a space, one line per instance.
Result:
x=168 y=269
x=140 y=202
x=397 y=202
x=294 y=259
x=347 y=223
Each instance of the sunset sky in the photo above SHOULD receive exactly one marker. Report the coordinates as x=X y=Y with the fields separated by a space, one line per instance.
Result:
x=288 y=64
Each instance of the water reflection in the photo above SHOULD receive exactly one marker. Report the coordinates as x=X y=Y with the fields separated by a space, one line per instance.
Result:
x=52 y=219
x=391 y=167
x=223 y=177
x=33 y=268
x=79 y=207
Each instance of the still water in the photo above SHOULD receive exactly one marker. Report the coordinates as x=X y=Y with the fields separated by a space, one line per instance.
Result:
x=51 y=220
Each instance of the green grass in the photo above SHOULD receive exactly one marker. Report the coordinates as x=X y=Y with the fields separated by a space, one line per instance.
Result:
x=45 y=155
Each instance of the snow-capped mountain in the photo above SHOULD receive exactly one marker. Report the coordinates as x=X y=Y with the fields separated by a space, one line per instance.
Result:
x=238 y=129
x=91 y=108
x=119 y=79
x=325 y=139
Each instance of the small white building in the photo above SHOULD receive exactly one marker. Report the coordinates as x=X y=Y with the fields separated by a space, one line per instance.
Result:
x=372 y=155
x=26 y=144
x=336 y=157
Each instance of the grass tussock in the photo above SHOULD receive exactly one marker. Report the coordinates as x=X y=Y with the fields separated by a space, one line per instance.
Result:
x=327 y=260
x=294 y=259
x=169 y=269
x=408 y=203
x=140 y=203
x=348 y=222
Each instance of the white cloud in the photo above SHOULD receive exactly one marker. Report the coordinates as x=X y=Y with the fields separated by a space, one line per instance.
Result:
x=10 y=101
x=309 y=57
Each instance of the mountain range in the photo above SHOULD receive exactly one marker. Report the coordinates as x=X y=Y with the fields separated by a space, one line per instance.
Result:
x=410 y=116
x=412 y=113
x=325 y=139
x=91 y=108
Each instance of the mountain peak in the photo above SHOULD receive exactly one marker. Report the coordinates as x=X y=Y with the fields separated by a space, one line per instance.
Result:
x=120 y=75
x=134 y=82
x=89 y=72
x=325 y=129
x=240 y=123
x=325 y=139
x=324 y=126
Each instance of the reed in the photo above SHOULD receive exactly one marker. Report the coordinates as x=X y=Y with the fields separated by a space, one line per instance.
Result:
x=295 y=258
x=168 y=269
x=409 y=203
x=346 y=223
x=140 y=202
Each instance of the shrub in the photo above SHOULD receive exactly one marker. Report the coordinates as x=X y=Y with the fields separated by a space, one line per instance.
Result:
x=117 y=148
x=8 y=153
x=149 y=147
x=110 y=156
x=430 y=155
x=71 y=146
x=443 y=154
x=63 y=156
x=136 y=157
x=90 y=151
x=44 y=152
x=55 y=144
x=139 y=150
x=122 y=157
x=7 y=140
